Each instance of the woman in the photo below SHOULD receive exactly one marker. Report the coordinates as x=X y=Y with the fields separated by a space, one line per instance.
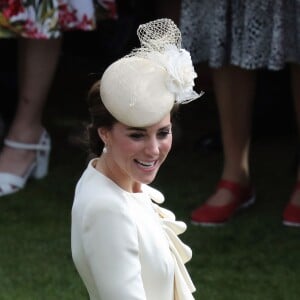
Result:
x=39 y=26
x=124 y=245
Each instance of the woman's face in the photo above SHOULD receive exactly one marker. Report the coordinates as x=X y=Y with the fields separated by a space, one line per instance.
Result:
x=134 y=155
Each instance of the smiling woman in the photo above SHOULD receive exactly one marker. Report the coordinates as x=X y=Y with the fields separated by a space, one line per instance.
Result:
x=134 y=155
x=124 y=245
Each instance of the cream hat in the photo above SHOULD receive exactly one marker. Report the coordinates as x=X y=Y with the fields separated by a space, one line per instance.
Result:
x=141 y=88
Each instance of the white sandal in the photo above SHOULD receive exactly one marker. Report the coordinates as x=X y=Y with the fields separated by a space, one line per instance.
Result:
x=10 y=183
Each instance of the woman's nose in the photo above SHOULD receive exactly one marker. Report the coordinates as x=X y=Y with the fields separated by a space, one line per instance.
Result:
x=152 y=147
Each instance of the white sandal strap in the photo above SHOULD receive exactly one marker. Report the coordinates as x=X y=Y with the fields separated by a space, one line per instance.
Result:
x=11 y=179
x=11 y=183
x=25 y=146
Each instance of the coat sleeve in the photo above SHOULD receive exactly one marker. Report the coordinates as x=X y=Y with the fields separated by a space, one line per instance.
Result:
x=111 y=245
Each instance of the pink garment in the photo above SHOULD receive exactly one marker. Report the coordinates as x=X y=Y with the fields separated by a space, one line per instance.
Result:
x=48 y=18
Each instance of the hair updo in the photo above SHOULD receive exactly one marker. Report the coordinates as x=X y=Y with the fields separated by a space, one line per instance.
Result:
x=100 y=117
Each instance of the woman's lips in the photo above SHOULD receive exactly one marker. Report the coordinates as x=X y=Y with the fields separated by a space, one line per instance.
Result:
x=146 y=164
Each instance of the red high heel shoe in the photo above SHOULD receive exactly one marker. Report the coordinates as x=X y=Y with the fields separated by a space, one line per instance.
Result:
x=291 y=213
x=211 y=215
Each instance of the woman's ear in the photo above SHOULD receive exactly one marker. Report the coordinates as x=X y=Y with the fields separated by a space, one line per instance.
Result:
x=103 y=134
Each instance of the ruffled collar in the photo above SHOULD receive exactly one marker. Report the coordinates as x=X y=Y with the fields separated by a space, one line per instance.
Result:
x=181 y=253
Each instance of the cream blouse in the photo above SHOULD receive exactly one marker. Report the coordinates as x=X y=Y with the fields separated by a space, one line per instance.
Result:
x=124 y=246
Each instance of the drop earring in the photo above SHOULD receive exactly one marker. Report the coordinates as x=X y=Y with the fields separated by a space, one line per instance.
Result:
x=104 y=149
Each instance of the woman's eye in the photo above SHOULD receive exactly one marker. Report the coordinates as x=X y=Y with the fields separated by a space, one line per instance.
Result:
x=164 y=134
x=136 y=136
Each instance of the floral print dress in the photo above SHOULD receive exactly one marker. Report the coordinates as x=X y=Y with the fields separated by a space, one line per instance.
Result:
x=45 y=19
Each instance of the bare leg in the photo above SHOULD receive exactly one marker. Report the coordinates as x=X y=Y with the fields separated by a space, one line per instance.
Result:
x=37 y=64
x=234 y=88
x=295 y=80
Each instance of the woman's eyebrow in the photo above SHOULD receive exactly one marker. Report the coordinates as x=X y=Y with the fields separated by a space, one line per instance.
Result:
x=145 y=129
x=165 y=127
x=136 y=128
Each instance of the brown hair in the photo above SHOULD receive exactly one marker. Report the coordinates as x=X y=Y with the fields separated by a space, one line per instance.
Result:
x=100 y=117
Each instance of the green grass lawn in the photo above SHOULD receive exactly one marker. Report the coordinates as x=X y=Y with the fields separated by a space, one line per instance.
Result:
x=253 y=257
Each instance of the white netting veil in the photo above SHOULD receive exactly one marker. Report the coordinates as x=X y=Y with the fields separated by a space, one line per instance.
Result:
x=155 y=35
x=142 y=87
x=161 y=43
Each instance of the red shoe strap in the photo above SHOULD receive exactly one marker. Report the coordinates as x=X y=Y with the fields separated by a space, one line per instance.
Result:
x=234 y=187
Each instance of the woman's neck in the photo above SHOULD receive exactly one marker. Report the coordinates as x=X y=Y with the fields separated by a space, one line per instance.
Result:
x=107 y=168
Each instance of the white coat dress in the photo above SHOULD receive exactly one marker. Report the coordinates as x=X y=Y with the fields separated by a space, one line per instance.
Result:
x=125 y=246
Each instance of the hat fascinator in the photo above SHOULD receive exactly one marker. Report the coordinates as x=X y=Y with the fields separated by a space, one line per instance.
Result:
x=141 y=88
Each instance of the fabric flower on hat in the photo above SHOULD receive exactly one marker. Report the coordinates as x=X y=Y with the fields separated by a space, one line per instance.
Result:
x=180 y=72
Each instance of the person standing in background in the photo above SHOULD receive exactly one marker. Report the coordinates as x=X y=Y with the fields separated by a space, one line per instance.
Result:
x=237 y=38
x=39 y=26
